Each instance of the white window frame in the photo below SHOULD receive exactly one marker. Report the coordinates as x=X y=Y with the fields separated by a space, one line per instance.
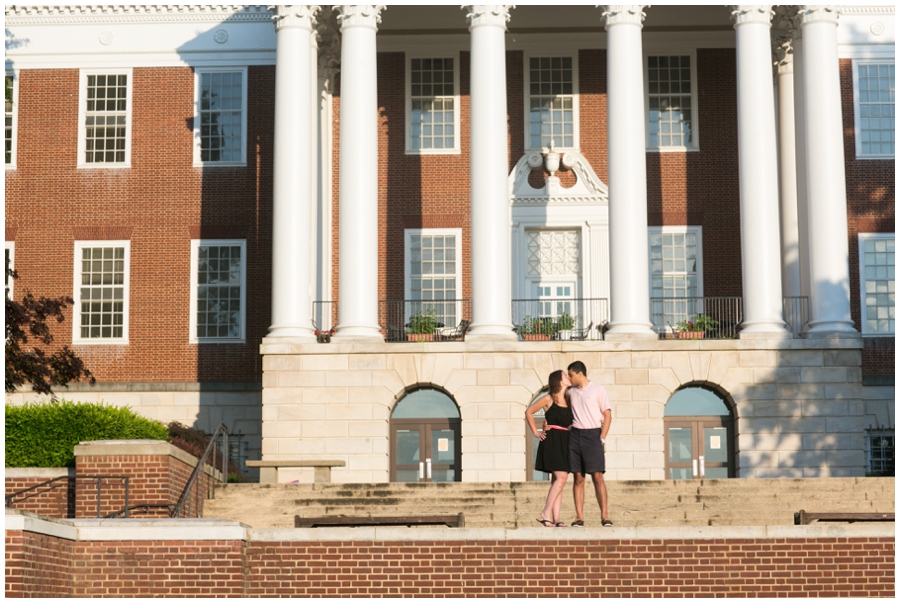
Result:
x=661 y=230
x=863 y=237
x=407 y=260
x=455 y=150
x=576 y=101
x=76 y=295
x=695 y=113
x=195 y=255
x=11 y=248
x=856 y=111
x=872 y=434
x=198 y=162
x=82 y=116
x=15 y=119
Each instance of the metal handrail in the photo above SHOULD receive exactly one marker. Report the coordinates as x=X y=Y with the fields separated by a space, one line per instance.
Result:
x=183 y=499
x=564 y=318
x=725 y=313
x=397 y=317
x=10 y=498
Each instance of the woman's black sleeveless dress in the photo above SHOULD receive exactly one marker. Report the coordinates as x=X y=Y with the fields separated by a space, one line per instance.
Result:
x=553 y=451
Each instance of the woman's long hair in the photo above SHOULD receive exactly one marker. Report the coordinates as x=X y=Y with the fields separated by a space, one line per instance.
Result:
x=555 y=382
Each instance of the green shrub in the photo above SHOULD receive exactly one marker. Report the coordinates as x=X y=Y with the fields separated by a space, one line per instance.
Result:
x=45 y=435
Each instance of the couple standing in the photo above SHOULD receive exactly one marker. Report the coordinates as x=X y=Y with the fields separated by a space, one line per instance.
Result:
x=576 y=420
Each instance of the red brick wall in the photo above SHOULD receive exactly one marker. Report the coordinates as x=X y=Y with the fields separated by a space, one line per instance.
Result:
x=159 y=204
x=831 y=567
x=54 y=500
x=870 y=208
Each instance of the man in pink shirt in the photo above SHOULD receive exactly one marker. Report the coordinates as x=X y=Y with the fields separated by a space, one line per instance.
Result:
x=587 y=438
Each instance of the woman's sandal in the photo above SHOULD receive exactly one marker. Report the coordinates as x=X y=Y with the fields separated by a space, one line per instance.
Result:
x=561 y=524
x=545 y=522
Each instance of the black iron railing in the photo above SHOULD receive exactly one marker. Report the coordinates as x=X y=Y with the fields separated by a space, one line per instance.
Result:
x=70 y=481
x=714 y=317
x=570 y=318
x=424 y=320
x=190 y=503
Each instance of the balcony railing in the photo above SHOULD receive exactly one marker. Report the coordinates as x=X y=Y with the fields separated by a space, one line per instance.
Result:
x=570 y=318
x=707 y=317
x=424 y=320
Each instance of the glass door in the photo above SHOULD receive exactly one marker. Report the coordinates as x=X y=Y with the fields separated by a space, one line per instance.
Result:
x=698 y=448
x=426 y=451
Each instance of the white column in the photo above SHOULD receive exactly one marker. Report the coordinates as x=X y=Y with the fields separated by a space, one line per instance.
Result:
x=829 y=269
x=800 y=157
x=292 y=196
x=787 y=168
x=490 y=213
x=358 y=215
x=757 y=159
x=629 y=266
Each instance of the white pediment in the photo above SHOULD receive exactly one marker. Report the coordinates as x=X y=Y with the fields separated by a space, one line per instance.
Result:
x=588 y=188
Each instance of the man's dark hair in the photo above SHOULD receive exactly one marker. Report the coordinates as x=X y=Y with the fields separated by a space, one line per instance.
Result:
x=578 y=367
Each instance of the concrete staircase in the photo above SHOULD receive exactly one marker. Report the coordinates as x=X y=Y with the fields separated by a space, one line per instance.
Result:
x=739 y=502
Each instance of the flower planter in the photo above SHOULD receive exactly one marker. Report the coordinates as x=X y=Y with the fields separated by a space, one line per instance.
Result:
x=691 y=334
x=564 y=335
x=536 y=337
x=420 y=336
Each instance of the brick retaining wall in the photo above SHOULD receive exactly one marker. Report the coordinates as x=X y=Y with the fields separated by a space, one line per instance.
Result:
x=90 y=558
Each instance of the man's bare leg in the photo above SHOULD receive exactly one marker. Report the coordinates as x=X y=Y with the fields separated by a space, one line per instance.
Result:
x=578 y=493
x=600 y=490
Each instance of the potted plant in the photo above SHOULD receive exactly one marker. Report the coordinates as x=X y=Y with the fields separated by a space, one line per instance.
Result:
x=695 y=327
x=421 y=326
x=324 y=336
x=564 y=324
x=537 y=329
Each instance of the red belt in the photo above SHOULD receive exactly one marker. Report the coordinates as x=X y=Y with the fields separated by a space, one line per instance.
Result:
x=556 y=427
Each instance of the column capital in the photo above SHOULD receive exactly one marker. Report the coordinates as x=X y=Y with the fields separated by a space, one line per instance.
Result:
x=359 y=15
x=297 y=15
x=817 y=13
x=618 y=14
x=494 y=15
x=742 y=14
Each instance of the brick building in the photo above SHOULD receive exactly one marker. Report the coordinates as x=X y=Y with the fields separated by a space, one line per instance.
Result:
x=587 y=183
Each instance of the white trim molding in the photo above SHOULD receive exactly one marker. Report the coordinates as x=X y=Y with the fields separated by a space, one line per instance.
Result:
x=13 y=115
x=83 y=114
x=241 y=274
x=77 y=338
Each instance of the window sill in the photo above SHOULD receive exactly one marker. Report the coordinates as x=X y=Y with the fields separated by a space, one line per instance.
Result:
x=104 y=166
x=875 y=157
x=92 y=342
x=221 y=164
x=215 y=341
x=433 y=151
x=673 y=149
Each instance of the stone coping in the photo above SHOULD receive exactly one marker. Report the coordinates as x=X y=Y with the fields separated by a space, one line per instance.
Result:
x=291 y=346
x=99 y=530
x=39 y=472
x=139 y=448
x=297 y=463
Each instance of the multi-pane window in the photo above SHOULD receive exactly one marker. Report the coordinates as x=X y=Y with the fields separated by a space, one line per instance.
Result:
x=670 y=101
x=553 y=252
x=101 y=304
x=880 y=452
x=219 y=276
x=433 y=118
x=433 y=270
x=675 y=274
x=10 y=253
x=221 y=107
x=551 y=102
x=876 y=267
x=10 y=91
x=106 y=114
x=875 y=109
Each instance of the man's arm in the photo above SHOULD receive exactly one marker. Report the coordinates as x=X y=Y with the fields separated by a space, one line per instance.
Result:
x=607 y=421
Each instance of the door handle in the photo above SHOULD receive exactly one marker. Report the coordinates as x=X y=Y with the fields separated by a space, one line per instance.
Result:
x=428 y=468
x=421 y=470
x=702 y=467
x=695 y=467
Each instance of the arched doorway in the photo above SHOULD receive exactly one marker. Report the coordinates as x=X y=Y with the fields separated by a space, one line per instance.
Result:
x=699 y=435
x=425 y=438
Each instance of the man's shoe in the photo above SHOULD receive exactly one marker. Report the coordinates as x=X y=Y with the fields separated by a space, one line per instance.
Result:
x=606 y=523
x=578 y=523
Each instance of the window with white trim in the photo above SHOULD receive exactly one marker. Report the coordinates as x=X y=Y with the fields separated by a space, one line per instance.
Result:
x=220 y=127
x=874 y=110
x=552 y=103
x=676 y=283
x=432 y=105
x=105 y=115
x=11 y=88
x=671 y=102
x=434 y=272
x=876 y=279
x=218 y=291
x=10 y=249
x=101 y=291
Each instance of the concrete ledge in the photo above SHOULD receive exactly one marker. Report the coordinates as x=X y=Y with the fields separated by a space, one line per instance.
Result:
x=39 y=472
x=220 y=529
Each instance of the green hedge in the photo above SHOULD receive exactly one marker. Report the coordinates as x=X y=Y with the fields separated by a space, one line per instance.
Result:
x=45 y=435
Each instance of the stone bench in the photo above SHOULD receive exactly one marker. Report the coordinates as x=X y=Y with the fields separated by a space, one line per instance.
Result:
x=805 y=518
x=451 y=521
x=268 y=470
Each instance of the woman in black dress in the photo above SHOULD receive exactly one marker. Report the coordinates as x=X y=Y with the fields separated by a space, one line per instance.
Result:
x=553 y=451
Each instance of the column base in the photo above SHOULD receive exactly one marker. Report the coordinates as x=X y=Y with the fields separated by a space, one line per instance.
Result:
x=624 y=331
x=298 y=332
x=764 y=330
x=485 y=332
x=357 y=333
x=832 y=328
